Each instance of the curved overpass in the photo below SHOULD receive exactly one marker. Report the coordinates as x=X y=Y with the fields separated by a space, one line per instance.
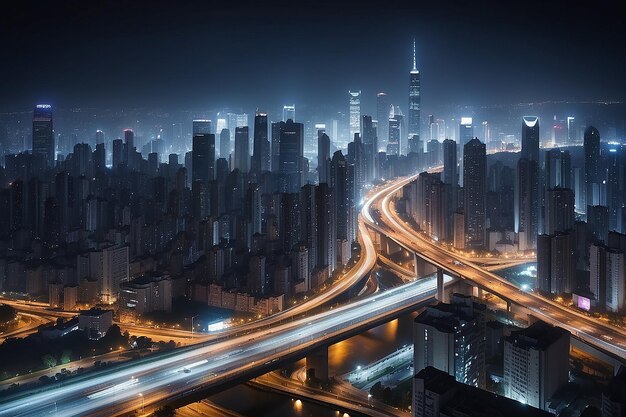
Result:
x=596 y=333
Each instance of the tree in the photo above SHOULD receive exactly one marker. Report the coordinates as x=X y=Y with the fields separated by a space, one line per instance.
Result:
x=48 y=360
x=66 y=357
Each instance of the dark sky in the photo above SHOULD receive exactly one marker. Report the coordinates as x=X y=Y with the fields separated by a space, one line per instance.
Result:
x=239 y=53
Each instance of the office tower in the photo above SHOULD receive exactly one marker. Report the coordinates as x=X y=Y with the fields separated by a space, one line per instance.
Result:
x=289 y=112
x=598 y=273
x=559 y=215
x=382 y=115
x=474 y=186
x=395 y=130
x=201 y=127
x=428 y=204
x=225 y=144
x=451 y=338
x=414 y=102
x=593 y=168
x=530 y=138
x=437 y=394
x=43 y=134
x=434 y=152
x=289 y=220
x=486 y=132
x=323 y=157
x=370 y=148
x=555 y=263
x=615 y=280
x=326 y=228
x=309 y=235
x=558 y=169
x=290 y=156
x=261 y=146
x=118 y=153
x=355 y=113
x=242 y=149
x=536 y=364
x=527 y=203
x=616 y=187
x=338 y=180
x=598 y=223
x=99 y=137
x=466 y=130
x=203 y=157
x=572 y=138
x=235 y=120
x=450 y=170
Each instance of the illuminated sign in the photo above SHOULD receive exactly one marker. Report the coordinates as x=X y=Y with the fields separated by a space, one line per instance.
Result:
x=44 y=106
x=584 y=303
x=215 y=327
x=466 y=120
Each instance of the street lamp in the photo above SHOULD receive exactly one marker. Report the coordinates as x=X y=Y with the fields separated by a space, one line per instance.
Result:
x=192 y=324
x=142 y=402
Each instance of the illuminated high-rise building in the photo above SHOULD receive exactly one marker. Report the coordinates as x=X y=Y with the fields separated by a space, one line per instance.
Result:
x=450 y=170
x=289 y=112
x=466 y=130
x=224 y=143
x=261 y=145
x=323 y=157
x=593 y=168
x=201 y=126
x=530 y=138
x=99 y=137
x=355 y=113
x=43 y=133
x=395 y=130
x=242 y=149
x=382 y=114
x=413 y=127
x=290 y=156
x=203 y=157
x=572 y=138
x=474 y=185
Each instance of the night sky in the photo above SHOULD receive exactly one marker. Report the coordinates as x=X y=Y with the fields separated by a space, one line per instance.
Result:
x=238 y=53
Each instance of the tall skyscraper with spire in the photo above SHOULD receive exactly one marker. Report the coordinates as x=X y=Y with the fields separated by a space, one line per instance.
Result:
x=414 y=101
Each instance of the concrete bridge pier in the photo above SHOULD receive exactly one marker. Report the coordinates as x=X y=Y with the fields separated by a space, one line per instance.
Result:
x=317 y=364
x=422 y=268
x=441 y=293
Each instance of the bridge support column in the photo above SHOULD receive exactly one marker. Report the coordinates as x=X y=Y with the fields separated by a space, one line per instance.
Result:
x=441 y=290
x=477 y=292
x=509 y=305
x=317 y=364
x=423 y=268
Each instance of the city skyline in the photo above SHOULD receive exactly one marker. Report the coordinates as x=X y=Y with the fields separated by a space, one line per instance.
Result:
x=118 y=68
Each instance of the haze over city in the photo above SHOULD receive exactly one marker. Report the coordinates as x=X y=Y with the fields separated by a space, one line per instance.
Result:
x=313 y=208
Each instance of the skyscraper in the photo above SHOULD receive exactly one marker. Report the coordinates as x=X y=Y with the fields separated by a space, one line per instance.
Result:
x=450 y=173
x=527 y=203
x=43 y=133
x=355 y=113
x=474 y=185
x=201 y=126
x=451 y=338
x=530 y=138
x=558 y=169
x=203 y=157
x=261 y=145
x=466 y=130
x=536 y=363
x=323 y=157
x=395 y=130
x=382 y=115
x=242 y=149
x=224 y=144
x=593 y=169
x=414 y=102
x=290 y=156
x=289 y=112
